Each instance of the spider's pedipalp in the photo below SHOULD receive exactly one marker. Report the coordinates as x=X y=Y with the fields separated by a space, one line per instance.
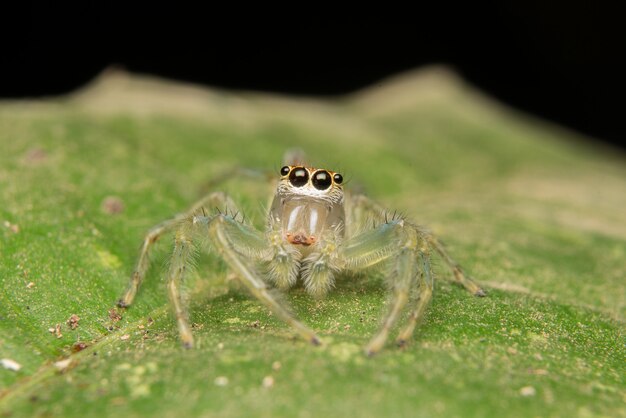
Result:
x=283 y=264
x=319 y=268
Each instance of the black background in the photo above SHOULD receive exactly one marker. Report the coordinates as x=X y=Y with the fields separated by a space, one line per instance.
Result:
x=561 y=60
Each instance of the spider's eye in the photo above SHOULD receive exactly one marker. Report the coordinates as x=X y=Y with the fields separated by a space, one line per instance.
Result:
x=284 y=171
x=321 y=180
x=299 y=177
x=338 y=178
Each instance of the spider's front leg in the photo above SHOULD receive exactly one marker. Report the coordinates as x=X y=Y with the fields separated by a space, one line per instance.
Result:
x=400 y=244
x=216 y=199
x=242 y=247
x=364 y=210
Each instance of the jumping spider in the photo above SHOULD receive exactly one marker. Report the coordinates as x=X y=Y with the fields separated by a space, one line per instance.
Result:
x=314 y=232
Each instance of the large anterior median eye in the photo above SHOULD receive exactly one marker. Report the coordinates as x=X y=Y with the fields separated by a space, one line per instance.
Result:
x=322 y=180
x=299 y=177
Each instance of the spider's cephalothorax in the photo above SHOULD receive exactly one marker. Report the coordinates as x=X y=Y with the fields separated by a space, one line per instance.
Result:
x=308 y=203
x=308 y=215
x=311 y=235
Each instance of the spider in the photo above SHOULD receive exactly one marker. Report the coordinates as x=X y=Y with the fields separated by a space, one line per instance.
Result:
x=314 y=232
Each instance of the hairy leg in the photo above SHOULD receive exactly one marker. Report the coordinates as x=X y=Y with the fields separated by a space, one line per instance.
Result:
x=217 y=199
x=179 y=264
x=237 y=244
x=401 y=282
x=459 y=276
x=424 y=295
x=364 y=212
x=407 y=247
x=396 y=242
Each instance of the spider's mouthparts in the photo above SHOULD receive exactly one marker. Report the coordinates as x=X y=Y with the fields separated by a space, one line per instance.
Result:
x=300 y=239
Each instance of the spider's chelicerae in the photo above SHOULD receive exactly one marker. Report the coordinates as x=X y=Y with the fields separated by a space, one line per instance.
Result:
x=314 y=232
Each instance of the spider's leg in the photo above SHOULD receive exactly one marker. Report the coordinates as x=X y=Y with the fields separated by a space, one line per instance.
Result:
x=459 y=276
x=181 y=259
x=425 y=290
x=237 y=244
x=143 y=263
x=364 y=210
x=402 y=280
x=362 y=213
x=395 y=241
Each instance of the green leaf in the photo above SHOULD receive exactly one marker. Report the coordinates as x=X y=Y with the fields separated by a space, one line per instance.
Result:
x=535 y=213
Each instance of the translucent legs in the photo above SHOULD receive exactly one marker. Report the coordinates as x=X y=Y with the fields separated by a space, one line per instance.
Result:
x=401 y=245
x=406 y=248
x=240 y=245
x=234 y=241
x=365 y=211
x=459 y=276
x=210 y=201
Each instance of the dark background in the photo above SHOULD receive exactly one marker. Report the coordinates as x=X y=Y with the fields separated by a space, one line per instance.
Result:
x=561 y=60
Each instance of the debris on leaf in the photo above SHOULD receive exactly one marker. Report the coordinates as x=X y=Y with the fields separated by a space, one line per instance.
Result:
x=35 y=156
x=528 y=391
x=268 y=382
x=12 y=227
x=125 y=337
x=62 y=365
x=114 y=315
x=56 y=330
x=78 y=346
x=73 y=321
x=112 y=205
x=30 y=285
x=221 y=381
x=9 y=364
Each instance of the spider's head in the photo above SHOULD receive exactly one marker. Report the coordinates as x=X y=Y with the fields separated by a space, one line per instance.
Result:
x=308 y=202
